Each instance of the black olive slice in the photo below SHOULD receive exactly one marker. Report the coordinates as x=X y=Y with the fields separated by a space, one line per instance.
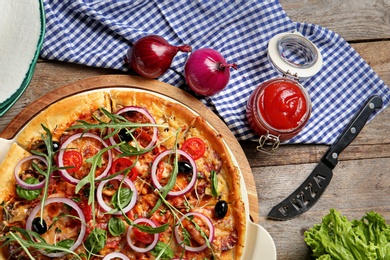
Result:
x=220 y=209
x=124 y=136
x=184 y=167
x=56 y=146
x=39 y=227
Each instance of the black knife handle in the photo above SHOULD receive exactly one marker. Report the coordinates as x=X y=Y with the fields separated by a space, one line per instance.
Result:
x=352 y=130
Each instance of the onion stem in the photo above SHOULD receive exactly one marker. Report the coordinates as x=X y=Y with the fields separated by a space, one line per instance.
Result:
x=222 y=66
x=185 y=48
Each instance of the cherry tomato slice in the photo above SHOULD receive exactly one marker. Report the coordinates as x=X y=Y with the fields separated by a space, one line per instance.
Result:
x=195 y=147
x=143 y=237
x=73 y=159
x=121 y=164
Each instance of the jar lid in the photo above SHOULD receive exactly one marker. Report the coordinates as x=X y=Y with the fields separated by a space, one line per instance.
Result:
x=293 y=54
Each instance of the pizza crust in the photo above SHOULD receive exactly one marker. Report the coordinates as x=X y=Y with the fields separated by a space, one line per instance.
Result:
x=157 y=106
x=58 y=117
x=7 y=183
x=230 y=171
x=171 y=114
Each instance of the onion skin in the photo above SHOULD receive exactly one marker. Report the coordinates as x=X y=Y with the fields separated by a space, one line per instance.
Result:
x=64 y=173
x=207 y=72
x=129 y=183
x=155 y=236
x=22 y=183
x=74 y=206
x=146 y=113
x=153 y=172
x=114 y=255
x=208 y=223
x=151 y=56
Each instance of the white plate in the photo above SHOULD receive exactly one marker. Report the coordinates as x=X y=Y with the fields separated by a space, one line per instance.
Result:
x=259 y=245
x=22 y=29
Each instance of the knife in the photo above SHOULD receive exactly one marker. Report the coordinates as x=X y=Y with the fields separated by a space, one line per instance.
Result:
x=303 y=198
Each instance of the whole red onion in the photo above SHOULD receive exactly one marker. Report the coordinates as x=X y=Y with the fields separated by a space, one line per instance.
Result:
x=207 y=72
x=151 y=56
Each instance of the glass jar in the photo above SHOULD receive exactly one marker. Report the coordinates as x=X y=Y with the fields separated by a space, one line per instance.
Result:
x=279 y=108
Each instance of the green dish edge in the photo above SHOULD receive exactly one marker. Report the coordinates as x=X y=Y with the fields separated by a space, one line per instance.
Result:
x=7 y=104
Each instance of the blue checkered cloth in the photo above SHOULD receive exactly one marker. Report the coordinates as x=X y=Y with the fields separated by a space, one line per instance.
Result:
x=98 y=33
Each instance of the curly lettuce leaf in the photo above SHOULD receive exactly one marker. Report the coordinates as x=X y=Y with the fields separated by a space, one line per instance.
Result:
x=339 y=239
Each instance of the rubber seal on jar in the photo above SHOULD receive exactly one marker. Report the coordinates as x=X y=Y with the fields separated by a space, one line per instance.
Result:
x=293 y=54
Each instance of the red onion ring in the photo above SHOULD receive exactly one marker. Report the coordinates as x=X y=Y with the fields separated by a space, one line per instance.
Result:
x=73 y=205
x=199 y=248
x=22 y=183
x=115 y=255
x=145 y=113
x=155 y=236
x=155 y=163
x=99 y=194
x=64 y=173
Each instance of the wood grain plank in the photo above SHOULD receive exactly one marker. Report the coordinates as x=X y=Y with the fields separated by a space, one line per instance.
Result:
x=354 y=20
x=377 y=55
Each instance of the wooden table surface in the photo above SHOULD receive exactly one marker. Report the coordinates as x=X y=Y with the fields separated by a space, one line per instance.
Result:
x=361 y=180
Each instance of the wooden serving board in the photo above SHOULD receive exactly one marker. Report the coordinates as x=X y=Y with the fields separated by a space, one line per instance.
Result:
x=127 y=81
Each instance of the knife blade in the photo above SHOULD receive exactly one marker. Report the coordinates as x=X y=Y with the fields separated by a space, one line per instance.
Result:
x=309 y=192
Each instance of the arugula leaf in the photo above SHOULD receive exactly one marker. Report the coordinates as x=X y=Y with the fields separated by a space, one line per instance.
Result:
x=185 y=233
x=186 y=237
x=95 y=161
x=144 y=228
x=214 y=183
x=151 y=230
x=47 y=139
x=30 y=239
x=113 y=125
x=340 y=239
x=172 y=179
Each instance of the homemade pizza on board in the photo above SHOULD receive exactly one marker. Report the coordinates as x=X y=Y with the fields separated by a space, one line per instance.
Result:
x=120 y=171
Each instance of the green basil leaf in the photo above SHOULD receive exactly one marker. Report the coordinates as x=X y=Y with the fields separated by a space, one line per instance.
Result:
x=124 y=196
x=163 y=251
x=96 y=240
x=116 y=227
x=66 y=243
x=26 y=193
x=214 y=184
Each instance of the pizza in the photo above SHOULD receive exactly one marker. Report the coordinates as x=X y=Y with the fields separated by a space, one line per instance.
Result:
x=120 y=174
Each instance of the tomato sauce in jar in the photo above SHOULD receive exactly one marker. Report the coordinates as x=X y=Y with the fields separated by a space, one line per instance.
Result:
x=280 y=107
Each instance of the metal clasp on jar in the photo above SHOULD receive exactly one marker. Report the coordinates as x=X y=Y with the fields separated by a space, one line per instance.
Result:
x=292 y=76
x=268 y=143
